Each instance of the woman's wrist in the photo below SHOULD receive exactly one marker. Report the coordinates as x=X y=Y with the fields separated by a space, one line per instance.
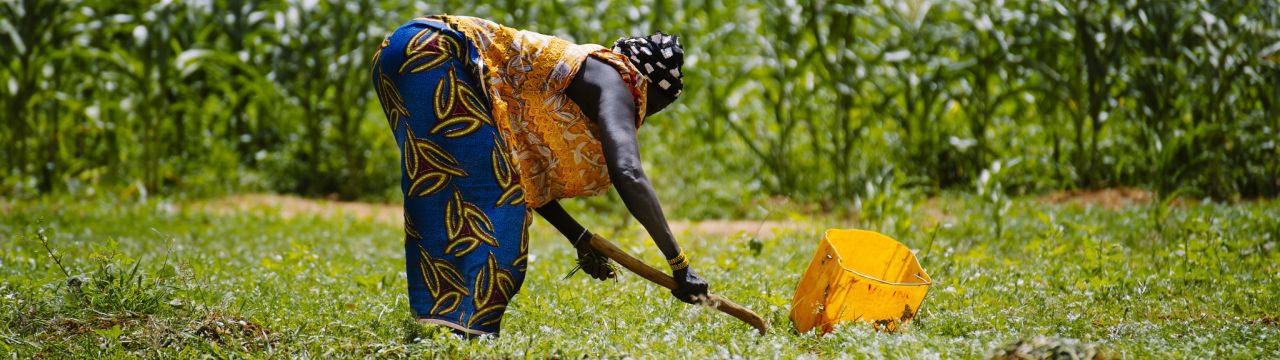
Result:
x=583 y=239
x=678 y=263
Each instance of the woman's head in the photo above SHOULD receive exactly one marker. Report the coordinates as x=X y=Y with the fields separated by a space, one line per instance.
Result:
x=660 y=58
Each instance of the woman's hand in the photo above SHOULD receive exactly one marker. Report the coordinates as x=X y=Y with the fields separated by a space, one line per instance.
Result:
x=589 y=261
x=690 y=287
x=593 y=262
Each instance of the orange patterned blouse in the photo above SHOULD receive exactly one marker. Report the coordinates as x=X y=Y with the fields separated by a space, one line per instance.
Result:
x=556 y=149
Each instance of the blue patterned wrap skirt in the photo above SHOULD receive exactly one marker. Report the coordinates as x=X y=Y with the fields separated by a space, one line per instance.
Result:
x=466 y=240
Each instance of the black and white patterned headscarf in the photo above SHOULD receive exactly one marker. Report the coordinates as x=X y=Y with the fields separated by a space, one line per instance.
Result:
x=659 y=58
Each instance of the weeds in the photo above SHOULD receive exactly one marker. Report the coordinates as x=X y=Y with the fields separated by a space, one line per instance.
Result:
x=113 y=286
x=117 y=302
x=262 y=286
x=57 y=259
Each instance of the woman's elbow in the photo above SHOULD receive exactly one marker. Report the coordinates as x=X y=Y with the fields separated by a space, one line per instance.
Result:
x=627 y=176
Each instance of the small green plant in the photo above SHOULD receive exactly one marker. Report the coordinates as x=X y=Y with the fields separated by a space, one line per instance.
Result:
x=990 y=188
x=886 y=204
x=116 y=285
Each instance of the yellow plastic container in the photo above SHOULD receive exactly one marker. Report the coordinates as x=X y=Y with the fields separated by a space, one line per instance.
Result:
x=859 y=275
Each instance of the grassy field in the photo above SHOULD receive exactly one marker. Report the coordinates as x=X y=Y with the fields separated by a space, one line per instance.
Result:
x=163 y=278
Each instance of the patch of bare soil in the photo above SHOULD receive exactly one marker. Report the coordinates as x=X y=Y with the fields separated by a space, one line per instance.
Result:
x=61 y=327
x=725 y=228
x=935 y=212
x=229 y=329
x=393 y=214
x=292 y=206
x=1042 y=347
x=1111 y=199
x=1265 y=320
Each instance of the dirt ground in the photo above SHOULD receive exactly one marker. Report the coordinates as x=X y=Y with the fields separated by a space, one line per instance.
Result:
x=1111 y=199
x=291 y=206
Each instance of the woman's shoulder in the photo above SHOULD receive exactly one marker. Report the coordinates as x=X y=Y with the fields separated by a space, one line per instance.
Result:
x=623 y=78
x=601 y=87
x=596 y=80
x=602 y=77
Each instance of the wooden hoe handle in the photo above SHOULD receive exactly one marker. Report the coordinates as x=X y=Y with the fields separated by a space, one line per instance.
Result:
x=658 y=277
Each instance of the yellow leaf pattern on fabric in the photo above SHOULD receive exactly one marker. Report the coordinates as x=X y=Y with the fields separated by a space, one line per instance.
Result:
x=456 y=104
x=409 y=231
x=467 y=225
x=522 y=262
x=493 y=288
x=375 y=66
x=429 y=166
x=512 y=192
x=426 y=50
x=443 y=281
x=392 y=103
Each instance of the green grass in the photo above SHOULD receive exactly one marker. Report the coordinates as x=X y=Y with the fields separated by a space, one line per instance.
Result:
x=152 y=280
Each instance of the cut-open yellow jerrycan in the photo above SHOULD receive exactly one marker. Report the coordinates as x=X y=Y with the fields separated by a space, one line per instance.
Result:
x=859 y=275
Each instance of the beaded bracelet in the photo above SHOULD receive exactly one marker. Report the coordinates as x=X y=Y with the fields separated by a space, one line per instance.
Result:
x=679 y=262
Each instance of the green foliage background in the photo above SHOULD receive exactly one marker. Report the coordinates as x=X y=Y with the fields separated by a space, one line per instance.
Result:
x=870 y=106
x=823 y=101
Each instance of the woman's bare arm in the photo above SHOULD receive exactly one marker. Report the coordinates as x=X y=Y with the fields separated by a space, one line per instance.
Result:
x=561 y=220
x=600 y=92
x=596 y=267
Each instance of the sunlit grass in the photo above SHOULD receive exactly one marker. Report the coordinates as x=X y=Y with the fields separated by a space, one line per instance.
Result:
x=253 y=283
